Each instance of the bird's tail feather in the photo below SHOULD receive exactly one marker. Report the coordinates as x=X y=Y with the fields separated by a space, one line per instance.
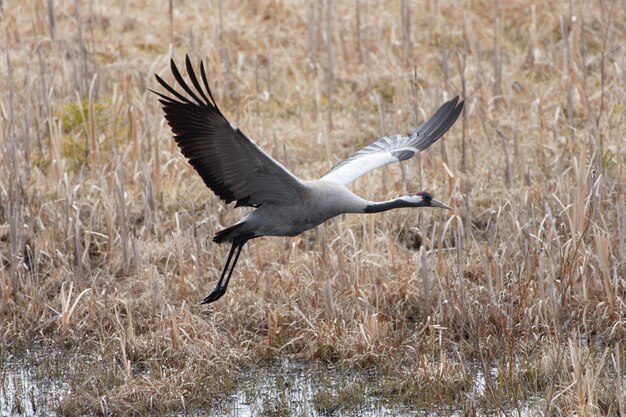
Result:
x=226 y=234
x=232 y=233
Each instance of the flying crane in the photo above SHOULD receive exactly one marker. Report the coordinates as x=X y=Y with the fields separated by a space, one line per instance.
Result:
x=235 y=168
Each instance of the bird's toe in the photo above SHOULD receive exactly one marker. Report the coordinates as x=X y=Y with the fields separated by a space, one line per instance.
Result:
x=215 y=295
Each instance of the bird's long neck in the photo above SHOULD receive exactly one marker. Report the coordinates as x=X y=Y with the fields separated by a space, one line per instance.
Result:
x=377 y=207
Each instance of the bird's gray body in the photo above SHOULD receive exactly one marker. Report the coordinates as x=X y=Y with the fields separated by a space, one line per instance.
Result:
x=320 y=200
x=237 y=169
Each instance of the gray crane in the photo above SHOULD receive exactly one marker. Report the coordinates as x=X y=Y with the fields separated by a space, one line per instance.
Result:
x=235 y=168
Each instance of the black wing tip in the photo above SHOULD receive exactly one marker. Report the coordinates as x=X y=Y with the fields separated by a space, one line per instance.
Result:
x=206 y=94
x=439 y=123
x=454 y=103
x=458 y=105
x=450 y=107
x=210 y=99
x=449 y=119
x=206 y=85
x=160 y=81
x=457 y=109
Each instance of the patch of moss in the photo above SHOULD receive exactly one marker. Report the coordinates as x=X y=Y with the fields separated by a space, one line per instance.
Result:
x=40 y=161
x=387 y=93
x=75 y=119
x=75 y=149
x=151 y=48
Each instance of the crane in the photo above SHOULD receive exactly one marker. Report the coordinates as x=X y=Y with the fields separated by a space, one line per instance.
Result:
x=235 y=168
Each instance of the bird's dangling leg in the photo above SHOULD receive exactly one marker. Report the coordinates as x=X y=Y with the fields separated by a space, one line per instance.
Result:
x=221 y=286
x=217 y=292
x=232 y=268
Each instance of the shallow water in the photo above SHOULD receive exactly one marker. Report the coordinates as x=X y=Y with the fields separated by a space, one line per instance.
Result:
x=285 y=388
x=22 y=392
x=293 y=389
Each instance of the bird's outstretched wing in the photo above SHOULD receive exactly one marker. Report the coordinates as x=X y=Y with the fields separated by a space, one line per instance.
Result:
x=229 y=162
x=396 y=148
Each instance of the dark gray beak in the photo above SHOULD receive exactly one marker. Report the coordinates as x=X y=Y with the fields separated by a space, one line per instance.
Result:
x=436 y=203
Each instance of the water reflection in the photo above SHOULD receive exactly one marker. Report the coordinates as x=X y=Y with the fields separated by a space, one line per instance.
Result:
x=284 y=388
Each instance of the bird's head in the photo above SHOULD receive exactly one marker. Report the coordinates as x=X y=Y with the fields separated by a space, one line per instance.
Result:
x=425 y=199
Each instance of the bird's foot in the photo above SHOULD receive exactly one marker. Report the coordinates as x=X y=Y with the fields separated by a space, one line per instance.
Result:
x=215 y=295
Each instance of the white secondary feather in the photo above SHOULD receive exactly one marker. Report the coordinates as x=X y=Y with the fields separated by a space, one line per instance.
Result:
x=353 y=171
x=368 y=159
x=396 y=148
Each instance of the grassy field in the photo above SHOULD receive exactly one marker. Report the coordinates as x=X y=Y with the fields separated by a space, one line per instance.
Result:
x=105 y=230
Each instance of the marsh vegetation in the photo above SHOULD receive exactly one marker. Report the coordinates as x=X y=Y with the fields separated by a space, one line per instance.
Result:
x=105 y=230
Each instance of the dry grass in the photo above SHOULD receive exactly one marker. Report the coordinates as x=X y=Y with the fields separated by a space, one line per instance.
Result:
x=105 y=229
